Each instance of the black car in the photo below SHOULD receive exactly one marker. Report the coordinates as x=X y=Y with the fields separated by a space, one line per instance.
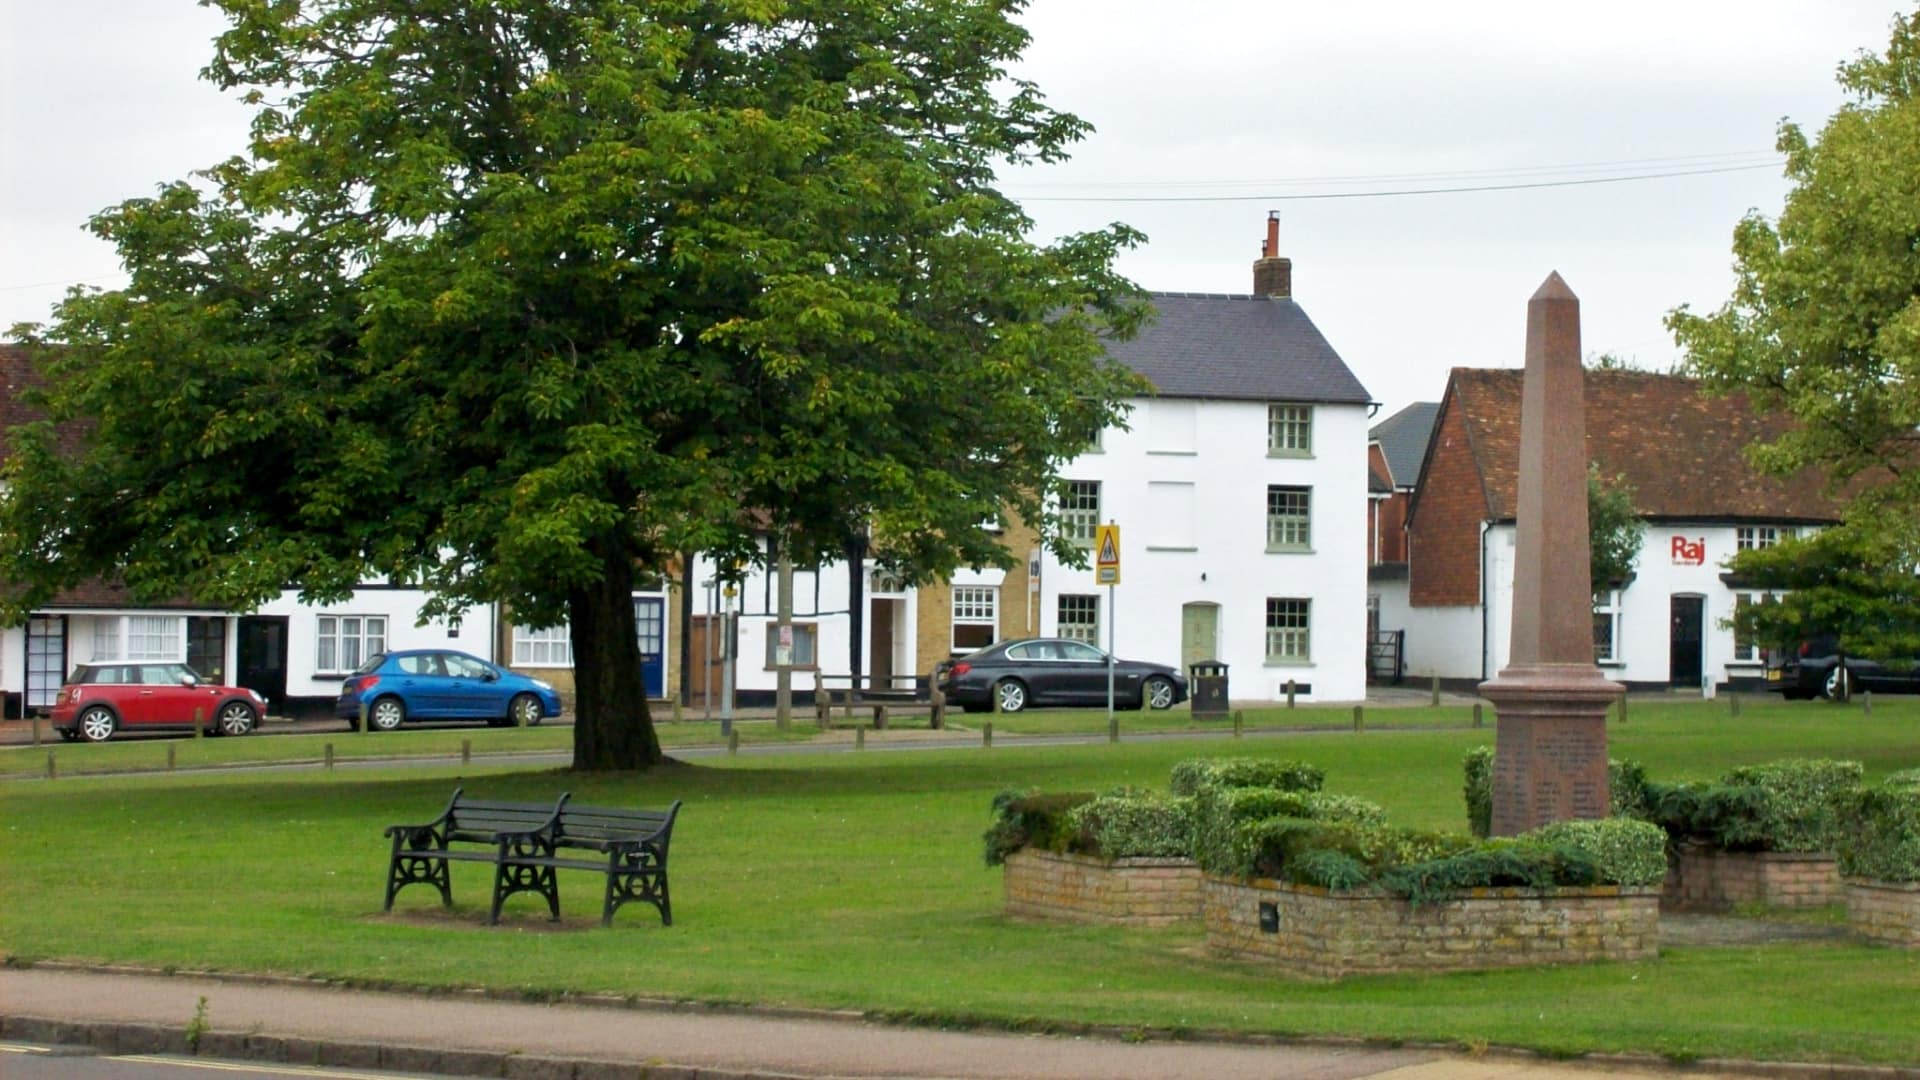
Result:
x=1815 y=668
x=1055 y=671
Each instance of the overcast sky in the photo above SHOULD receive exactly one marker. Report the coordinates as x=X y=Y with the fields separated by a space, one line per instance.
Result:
x=1231 y=101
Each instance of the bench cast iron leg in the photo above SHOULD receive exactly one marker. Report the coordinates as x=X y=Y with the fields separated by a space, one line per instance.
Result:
x=411 y=865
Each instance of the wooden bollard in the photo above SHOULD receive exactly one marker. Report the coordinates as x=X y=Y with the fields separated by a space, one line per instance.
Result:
x=1239 y=722
x=1359 y=718
x=52 y=770
x=329 y=749
x=365 y=726
x=1113 y=728
x=1733 y=704
x=879 y=718
x=199 y=721
x=1436 y=689
x=1866 y=702
x=733 y=742
x=466 y=751
x=1623 y=706
x=1289 y=693
x=36 y=729
x=169 y=757
x=1477 y=718
x=678 y=715
x=860 y=737
x=986 y=736
x=938 y=720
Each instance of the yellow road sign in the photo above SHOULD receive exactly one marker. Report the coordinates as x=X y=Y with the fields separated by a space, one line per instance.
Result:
x=1106 y=554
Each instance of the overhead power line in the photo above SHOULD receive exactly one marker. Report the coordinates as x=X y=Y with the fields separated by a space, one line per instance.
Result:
x=1390 y=193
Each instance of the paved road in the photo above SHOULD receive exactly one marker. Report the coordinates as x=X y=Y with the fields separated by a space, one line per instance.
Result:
x=459 y=1035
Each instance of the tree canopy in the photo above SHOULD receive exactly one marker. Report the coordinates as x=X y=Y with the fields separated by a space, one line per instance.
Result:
x=1614 y=529
x=1824 y=325
x=515 y=299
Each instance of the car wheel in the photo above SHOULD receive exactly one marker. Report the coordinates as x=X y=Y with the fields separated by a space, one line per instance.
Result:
x=387 y=714
x=236 y=718
x=97 y=724
x=524 y=711
x=1839 y=684
x=1157 y=693
x=1010 y=694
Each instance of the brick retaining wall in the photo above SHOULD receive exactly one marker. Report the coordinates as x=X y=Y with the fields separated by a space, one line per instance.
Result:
x=1080 y=888
x=1887 y=912
x=1329 y=935
x=1704 y=879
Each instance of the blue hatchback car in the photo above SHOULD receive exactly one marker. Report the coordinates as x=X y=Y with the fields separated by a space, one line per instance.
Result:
x=442 y=684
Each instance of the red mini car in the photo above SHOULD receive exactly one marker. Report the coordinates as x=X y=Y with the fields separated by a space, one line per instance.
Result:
x=101 y=698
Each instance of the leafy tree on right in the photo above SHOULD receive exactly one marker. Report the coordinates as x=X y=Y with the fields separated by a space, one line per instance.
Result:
x=1824 y=324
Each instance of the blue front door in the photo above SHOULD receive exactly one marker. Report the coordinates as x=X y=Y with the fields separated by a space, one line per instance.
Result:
x=650 y=624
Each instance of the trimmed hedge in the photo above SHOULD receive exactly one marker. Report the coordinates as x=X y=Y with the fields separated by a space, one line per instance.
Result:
x=1227 y=821
x=1190 y=776
x=1881 y=838
x=1132 y=824
x=1790 y=806
x=1624 y=850
x=1031 y=819
x=1627 y=794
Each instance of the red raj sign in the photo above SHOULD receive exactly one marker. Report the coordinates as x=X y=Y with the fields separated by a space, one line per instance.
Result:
x=1689 y=552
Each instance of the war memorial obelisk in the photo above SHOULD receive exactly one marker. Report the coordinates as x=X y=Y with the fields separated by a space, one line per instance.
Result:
x=1550 y=749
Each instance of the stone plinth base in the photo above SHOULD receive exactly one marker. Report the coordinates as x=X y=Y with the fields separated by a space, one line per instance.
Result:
x=1887 y=912
x=1702 y=879
x=1322 y=934
x=1122 y=892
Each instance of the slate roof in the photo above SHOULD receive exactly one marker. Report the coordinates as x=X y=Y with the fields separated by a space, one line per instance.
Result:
x=1403 y=439
x=1239 y=348
x=1681 y=451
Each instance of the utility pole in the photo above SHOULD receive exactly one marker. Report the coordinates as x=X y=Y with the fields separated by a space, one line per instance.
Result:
x=783 y=643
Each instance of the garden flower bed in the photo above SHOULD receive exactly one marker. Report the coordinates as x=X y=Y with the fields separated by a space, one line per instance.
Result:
x=1137 y=891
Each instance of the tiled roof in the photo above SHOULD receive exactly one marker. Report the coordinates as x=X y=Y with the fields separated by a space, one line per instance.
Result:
x=1251 y=348
x=1681 y=451
x=1403 y=439
x=17 y=375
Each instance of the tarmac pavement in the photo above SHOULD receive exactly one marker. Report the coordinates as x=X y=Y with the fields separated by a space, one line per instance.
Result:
x=118 y=1012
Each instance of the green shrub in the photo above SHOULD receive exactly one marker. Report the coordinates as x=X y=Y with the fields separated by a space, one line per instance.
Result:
x=1503 y=863
x=1880 y=837
x=1626 y=789
x=1031 y=819
x=1623 y=851
x=1479 y=792
x=1226 y=821
x=1281 y=848
x=1122 y=825
x=1804 y=801
x=1196 y=773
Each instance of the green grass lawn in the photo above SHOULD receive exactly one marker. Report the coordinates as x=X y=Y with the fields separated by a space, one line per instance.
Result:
x=856 y=881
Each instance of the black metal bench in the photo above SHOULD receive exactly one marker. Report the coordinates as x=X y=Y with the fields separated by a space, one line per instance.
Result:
x=525 y=841
x=501 y=831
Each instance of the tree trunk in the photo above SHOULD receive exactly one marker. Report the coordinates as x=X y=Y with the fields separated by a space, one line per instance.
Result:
x=612 y=727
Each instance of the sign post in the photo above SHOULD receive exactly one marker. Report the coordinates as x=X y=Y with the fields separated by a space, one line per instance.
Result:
x=1106 y=571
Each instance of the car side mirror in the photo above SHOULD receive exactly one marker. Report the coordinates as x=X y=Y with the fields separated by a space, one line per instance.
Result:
x=490 y=675
x=187 y=679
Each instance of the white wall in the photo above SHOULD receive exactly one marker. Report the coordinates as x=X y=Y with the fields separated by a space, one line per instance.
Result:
x=819 y=597
x=400 y=607
x=1206 y=542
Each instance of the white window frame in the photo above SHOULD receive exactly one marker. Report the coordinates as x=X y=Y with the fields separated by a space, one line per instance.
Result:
x=1606 y=606
x=1289 y=517
x=806 y=646
x=1289 y=626
x=1749 y=652
x=1080 y=511
x=543 y=646
x=334 y=643
x=1758 y=537
x=975 y=606
x=1289 y=430
x=140 y=637
x=1077 y=617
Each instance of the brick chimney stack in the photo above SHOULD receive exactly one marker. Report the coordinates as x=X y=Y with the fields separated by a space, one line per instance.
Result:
x=1272 y=275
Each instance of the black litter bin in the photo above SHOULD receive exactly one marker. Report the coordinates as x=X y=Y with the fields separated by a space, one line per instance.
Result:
x=1208 y=683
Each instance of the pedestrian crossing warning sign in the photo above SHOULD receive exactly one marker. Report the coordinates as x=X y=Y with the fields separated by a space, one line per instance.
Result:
x=1106 y=554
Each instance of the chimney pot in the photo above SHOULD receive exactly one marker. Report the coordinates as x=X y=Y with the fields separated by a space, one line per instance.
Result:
x=1272 y=275
x=1273 y=235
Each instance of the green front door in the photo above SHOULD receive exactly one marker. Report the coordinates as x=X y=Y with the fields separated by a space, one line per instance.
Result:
x=1199 y=634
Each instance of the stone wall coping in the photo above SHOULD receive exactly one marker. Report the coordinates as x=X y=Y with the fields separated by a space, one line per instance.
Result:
x=1889 y=886
x=1498 y=892
x=1125 y=861
x=1699 y=848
